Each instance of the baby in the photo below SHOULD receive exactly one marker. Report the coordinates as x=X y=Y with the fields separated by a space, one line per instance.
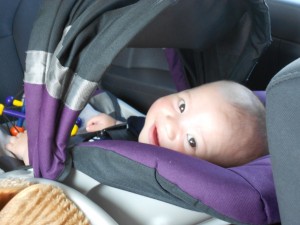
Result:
x=222 y=122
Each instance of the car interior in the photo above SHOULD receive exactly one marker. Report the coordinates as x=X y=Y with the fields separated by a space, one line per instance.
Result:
x=140 y=74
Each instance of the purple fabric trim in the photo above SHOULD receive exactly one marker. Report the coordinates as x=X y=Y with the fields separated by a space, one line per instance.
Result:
x=97 y=91
x=176 y=69
x=47 y=142
x=261 y=95
x=257 y=174
x=245 y=193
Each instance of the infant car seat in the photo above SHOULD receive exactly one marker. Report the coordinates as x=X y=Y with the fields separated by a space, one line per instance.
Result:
x=73 y=44
x=283 y=135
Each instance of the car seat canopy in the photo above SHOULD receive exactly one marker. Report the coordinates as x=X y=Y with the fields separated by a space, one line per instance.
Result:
x=60 y=67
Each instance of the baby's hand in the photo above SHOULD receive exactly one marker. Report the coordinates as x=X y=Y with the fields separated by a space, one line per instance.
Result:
x=100 y=122
x=18 y=145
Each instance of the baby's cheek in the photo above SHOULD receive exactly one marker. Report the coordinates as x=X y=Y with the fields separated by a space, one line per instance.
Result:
x=172 y=145
x=142 y=137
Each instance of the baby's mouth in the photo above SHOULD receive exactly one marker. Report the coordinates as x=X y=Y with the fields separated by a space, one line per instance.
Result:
x=154 y=136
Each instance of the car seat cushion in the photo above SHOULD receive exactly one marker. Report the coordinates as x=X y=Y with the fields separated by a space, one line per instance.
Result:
x=17 y=17
x=243 y=194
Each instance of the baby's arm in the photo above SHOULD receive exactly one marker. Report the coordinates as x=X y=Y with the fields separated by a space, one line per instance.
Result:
x=18 y=145
x=100 y=122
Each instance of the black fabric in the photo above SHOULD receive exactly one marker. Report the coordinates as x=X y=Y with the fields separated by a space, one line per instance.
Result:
x=234 y=55
x=129 y=131
x=118 y=132
x=136 y=124
x=126 y=131
x=192 y=24
x=283 y=129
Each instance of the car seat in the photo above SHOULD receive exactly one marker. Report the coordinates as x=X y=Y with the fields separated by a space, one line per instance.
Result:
x=283 y=136
x=17 y=17
x=170 y=183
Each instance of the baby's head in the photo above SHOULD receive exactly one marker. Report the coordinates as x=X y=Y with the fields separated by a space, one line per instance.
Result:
x=222 y=122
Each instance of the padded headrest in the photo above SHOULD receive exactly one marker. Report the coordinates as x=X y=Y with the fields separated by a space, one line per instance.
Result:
x=240 y=195
x=282 y=111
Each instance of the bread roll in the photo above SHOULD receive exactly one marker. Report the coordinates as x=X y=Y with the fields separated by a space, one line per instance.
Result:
x=10 y=187
x=41 y=204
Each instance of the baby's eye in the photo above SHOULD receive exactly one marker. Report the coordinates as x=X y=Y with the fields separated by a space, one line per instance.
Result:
x=191 y=140
x=181 y=105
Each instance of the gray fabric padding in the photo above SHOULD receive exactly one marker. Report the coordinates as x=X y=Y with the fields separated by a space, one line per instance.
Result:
x=107 y=103
x=283 y=129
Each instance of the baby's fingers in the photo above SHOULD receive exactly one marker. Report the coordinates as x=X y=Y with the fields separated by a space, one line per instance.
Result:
x=91 y=127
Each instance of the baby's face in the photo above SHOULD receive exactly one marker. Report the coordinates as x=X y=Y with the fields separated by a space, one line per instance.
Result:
x=193 y=122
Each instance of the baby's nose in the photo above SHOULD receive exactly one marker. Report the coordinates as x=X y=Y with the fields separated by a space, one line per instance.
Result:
x=171 y=129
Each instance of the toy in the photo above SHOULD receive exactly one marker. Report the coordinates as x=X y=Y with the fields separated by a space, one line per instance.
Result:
x=76 y=126
x=20 y=114
x=10 y=112
x=11 y=101
x=15 y=129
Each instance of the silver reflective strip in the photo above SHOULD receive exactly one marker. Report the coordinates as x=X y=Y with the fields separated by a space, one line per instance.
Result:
x=37 y=63
x=79 y=93
x=58 y=78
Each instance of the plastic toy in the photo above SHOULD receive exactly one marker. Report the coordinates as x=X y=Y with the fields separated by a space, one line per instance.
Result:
x=11 y=112
x=20 y=115
x=11 y=101
x=76 y=126
x=18 y=128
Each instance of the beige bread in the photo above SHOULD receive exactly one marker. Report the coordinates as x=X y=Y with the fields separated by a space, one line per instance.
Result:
x=41 y=204
x=10 y=187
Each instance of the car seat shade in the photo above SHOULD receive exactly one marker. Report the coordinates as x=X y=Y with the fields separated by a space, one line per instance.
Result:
x=60 y=67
